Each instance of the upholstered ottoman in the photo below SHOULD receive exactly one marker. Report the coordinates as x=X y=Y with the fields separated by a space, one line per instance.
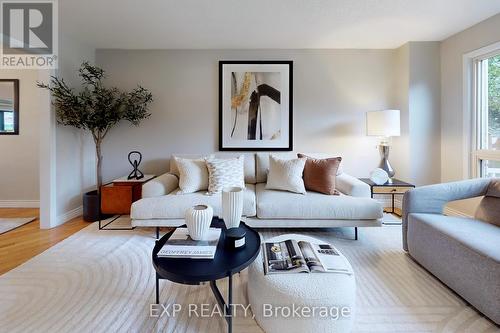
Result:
x=301 y=302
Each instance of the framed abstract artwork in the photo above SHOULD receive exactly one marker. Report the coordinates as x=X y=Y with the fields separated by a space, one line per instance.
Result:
x=255 y=105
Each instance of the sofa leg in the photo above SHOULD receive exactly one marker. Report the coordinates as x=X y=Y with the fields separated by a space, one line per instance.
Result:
x=157 y=232
x=355 y=233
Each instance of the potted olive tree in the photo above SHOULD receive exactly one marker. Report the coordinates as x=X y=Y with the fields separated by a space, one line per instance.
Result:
x=96 y=108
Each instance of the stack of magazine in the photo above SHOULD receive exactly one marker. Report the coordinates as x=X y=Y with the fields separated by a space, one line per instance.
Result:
x=292 y=256
x=180 y=245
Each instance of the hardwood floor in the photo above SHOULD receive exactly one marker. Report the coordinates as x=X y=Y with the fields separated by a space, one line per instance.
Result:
x=19 y=245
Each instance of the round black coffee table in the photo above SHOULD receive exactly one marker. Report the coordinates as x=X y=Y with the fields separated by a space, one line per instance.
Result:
x=226 y=263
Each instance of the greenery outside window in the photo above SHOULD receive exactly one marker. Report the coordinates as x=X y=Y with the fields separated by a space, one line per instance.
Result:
x=486 y=148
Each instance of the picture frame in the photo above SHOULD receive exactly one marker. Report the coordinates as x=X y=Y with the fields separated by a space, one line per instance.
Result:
x=9 y=107
x=255 y=105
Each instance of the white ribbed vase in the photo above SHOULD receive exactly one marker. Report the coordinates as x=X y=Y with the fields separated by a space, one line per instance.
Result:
x=198 y=220
x=232 y=206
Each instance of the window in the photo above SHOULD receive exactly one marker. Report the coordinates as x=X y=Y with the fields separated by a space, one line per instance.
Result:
x=486 y=152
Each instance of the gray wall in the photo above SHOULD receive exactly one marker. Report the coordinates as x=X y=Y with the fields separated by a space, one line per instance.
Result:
x=332 y=91
x=19 y=179
x=424 y=116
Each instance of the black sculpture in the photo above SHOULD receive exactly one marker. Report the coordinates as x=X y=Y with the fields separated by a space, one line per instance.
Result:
x=136 y=173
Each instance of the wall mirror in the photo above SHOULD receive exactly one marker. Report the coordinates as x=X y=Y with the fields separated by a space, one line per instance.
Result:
x=9 y=107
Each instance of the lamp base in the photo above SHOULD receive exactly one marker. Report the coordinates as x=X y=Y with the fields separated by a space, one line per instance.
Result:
x=384 y=163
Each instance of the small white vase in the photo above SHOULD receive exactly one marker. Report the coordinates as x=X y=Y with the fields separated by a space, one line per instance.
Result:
x=379 y=176
x=232 y=206
x=198 y=220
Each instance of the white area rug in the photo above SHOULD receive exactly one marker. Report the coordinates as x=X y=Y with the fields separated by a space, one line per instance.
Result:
x=7 y=224
x=103 y=281
x=391 y=219
x=117 y=222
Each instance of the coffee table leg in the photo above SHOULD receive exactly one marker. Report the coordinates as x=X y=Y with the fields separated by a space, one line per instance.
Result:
x=157 y=290
x=230 y=305
x=227 y=307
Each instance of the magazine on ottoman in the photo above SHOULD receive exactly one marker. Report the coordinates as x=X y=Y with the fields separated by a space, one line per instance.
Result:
x=292 y=256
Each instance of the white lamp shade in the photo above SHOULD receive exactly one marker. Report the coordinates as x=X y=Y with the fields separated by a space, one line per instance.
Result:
x=383 y=123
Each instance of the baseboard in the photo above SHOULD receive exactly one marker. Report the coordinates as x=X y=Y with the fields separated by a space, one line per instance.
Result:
x=69 y=215
x=19 y=204
x=453 y=212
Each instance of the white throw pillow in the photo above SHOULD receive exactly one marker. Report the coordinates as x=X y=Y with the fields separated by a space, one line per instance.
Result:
x=286 y=175
x=226 y=172
x=193 y=175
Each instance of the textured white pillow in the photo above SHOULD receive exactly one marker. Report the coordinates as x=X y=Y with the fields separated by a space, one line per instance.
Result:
x=193 y=175
x=226 y=172
x=286 y=175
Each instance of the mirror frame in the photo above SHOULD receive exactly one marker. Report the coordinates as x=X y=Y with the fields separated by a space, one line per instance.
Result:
x=16 y=106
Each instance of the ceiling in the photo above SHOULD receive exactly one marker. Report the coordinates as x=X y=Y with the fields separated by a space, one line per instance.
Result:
x=237 y=24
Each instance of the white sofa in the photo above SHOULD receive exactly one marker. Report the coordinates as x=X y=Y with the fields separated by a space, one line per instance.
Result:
x=161 y=206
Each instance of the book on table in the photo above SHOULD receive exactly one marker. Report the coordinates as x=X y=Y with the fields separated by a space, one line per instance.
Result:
x=180 y=245
x=292 y=256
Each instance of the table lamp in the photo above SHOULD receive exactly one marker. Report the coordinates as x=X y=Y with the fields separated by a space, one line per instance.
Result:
x=384 y=124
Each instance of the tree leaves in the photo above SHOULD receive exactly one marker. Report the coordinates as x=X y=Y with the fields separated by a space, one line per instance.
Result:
x=96 y=108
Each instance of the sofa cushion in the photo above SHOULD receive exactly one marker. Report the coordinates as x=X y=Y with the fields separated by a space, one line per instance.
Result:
x=494 y=188
x=286 y=175
x=174 y=206
x=262 y=162
x=320 y=174
x=489 y=207
x=249 y=163
x=478 y=236
x=193 y=174
x=272 y=204
x=225 y=172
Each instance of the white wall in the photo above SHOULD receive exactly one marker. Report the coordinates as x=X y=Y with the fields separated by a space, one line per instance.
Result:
x=400 y=150
x=332 y=91
x=19 y=178
x=453 y=157
x=66 y=164
x=75 y=161
x=452 y=51
x=416 y=153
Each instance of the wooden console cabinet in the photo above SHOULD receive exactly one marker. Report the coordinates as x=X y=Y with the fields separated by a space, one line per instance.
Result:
x=118 y=196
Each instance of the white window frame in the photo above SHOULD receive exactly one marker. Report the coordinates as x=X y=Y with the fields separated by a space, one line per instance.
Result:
x=472 y=112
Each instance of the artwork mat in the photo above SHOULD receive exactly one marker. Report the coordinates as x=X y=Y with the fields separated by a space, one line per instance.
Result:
x=285 y=69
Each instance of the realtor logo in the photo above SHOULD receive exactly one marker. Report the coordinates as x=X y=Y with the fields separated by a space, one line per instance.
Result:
x=29 y=36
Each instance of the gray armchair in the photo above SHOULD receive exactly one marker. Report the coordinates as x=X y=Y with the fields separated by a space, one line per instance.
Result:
x=464 y=253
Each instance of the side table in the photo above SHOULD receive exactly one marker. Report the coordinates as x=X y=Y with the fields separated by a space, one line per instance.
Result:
x=118 y=196
x=396 y=187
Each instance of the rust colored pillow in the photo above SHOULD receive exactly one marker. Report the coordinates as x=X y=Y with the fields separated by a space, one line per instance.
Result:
x=319 y=174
